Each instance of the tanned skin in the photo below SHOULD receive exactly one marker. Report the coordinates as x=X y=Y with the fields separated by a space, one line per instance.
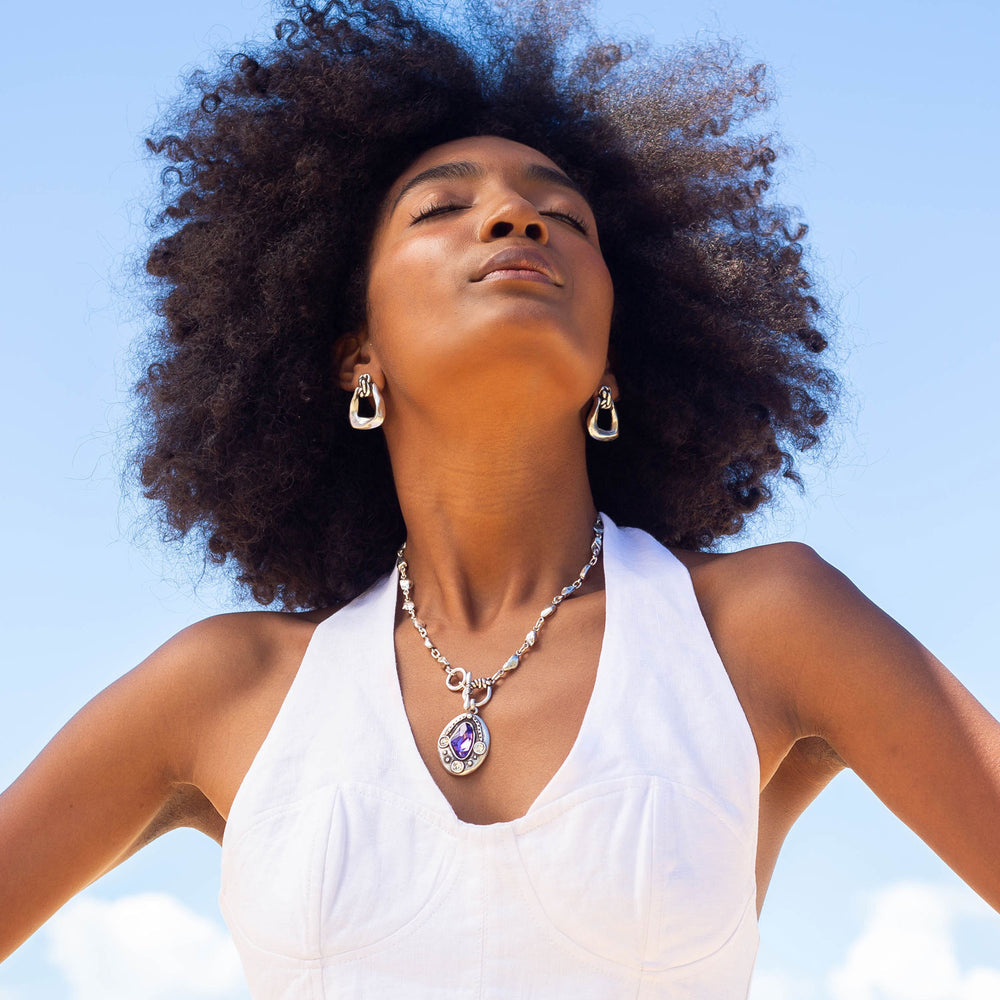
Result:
x=487 y=380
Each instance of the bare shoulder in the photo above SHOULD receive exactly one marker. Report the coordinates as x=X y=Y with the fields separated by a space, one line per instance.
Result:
x=234 y=671
x=763 y=592
x=227 y=655
x=214 y=688
x=206 y=670
x=758 y=565
x=759 y=595
x=762 y=606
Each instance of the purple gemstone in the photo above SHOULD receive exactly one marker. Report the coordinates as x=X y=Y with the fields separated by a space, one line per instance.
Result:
x=461 y=740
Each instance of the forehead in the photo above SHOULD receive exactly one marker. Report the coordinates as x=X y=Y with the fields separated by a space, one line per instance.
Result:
x=486 y=149
x=490 y=152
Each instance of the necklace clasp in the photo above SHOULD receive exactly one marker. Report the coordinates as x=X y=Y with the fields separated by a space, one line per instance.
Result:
x=478 y=684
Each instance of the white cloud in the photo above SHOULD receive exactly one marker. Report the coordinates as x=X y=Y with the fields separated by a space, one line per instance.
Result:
x=906 y=950
x=143 y=947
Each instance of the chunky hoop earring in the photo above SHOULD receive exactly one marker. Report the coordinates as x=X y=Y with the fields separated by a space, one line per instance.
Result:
x=603 y=401
x=366 y=387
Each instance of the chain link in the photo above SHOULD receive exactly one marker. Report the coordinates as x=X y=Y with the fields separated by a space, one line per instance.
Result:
x=457 y=679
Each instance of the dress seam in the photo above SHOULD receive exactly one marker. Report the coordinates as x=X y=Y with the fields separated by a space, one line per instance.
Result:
x=653 y=901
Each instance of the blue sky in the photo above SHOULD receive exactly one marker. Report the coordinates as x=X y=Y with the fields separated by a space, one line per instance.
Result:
x=891 y=113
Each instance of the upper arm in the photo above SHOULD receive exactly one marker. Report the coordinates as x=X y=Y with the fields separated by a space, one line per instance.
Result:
x=86 y=801
x=892 y=711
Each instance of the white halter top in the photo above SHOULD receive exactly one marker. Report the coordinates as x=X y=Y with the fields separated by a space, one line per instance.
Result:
x=346 y=873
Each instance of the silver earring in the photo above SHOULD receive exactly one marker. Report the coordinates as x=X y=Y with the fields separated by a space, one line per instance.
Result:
x=602 y=401
x=366 y=387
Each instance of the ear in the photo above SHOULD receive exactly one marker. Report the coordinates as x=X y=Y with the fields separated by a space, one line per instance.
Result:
x=353 y=355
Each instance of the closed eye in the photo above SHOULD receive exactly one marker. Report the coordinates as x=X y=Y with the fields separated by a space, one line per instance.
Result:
x=567 y=217
x=431 y=210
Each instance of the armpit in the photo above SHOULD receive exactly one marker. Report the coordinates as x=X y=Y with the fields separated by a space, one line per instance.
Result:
x=814 y=751
x=187 y=806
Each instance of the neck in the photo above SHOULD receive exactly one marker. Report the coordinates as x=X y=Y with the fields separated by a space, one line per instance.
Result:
x=492 y=525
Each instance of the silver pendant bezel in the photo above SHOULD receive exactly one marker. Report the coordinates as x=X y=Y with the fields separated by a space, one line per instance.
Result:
x=480 y=745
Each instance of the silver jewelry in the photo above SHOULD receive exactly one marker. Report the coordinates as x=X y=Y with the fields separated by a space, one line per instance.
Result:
x=465 y=741
x=603 y=401
x=366 y=387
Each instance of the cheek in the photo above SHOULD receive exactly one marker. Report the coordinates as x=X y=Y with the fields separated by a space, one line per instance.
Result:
x=411 y=285
x=413 y=309
x=594 y=297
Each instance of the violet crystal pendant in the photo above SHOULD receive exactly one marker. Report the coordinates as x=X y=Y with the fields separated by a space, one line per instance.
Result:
x=464 y=743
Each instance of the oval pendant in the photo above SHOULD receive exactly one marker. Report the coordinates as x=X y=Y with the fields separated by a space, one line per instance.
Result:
x=464 y=743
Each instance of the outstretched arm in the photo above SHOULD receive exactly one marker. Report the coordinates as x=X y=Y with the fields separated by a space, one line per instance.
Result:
x=115 y=777
x=927 y=748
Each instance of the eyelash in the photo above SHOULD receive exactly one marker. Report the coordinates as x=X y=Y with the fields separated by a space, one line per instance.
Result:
x=432 y=210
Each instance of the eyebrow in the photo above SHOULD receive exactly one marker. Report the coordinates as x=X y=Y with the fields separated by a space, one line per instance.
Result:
x=463 y=169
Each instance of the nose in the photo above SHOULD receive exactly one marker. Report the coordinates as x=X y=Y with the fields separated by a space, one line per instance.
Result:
x=514 y=216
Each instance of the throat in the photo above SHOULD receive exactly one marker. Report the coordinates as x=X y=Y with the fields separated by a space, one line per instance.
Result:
x=487 y=532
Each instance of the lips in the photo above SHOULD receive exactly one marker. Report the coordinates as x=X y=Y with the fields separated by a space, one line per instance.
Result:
x=514 y=259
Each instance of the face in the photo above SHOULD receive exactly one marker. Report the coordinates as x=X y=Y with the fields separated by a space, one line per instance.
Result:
x=486 y=282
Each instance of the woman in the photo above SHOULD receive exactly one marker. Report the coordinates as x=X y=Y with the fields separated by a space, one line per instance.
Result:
x=464 y=256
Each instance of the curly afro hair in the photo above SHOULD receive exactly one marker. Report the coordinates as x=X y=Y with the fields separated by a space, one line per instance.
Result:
x=277 y=167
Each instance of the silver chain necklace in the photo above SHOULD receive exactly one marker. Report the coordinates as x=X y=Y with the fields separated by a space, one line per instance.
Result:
x=465 y=741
